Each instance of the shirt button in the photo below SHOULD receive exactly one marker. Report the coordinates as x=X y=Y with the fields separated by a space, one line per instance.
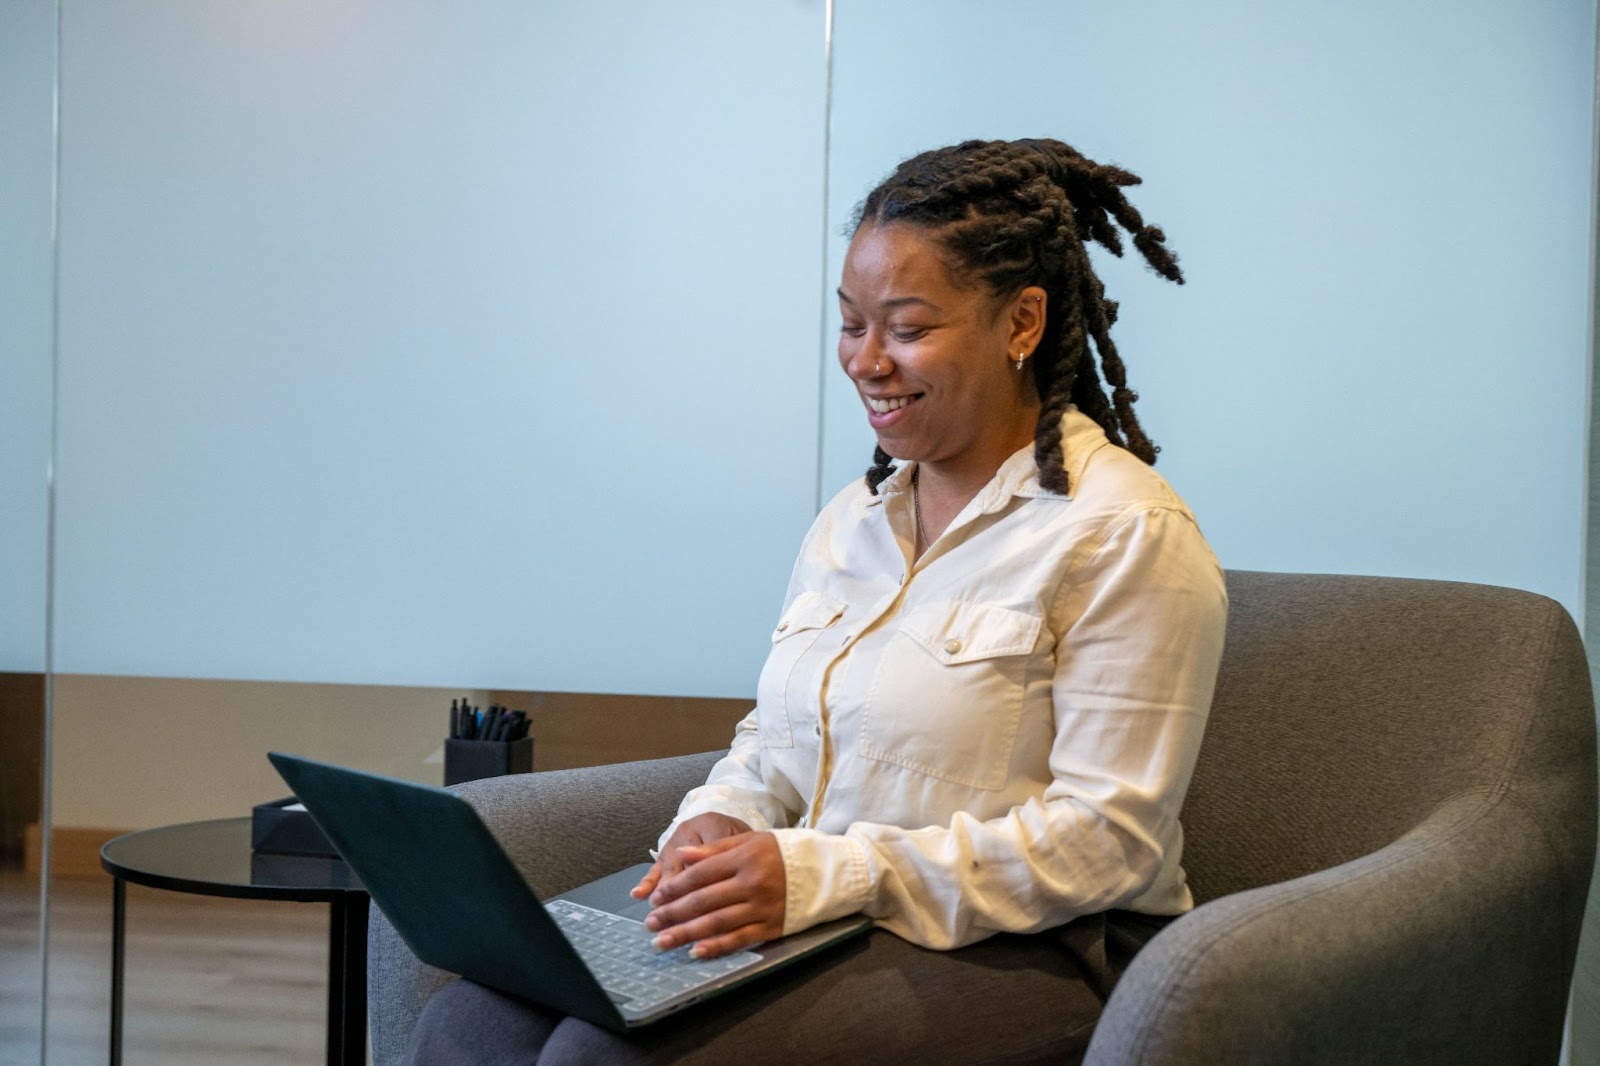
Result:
x=782 y=626
x=952 y=646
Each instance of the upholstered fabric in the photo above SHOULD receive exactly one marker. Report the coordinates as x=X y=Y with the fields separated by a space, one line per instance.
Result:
x=1394 y=816
x=1390 y=831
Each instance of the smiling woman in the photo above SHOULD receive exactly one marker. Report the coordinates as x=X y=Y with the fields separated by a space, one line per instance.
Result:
x=999 y=231
x=989 y=680
x=914 y=342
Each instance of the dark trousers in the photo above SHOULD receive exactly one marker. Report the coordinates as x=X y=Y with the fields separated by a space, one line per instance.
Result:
x=877 y=1000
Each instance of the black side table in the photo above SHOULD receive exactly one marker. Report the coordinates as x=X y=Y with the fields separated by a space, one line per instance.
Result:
x=215 y=859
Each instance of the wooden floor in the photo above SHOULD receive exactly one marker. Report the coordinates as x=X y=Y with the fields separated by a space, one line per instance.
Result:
x=209 y=981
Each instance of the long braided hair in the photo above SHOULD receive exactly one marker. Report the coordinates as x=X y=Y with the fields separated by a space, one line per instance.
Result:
x=1010 y=214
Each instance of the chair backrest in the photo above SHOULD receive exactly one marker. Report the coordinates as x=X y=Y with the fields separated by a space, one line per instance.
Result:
x=1349 y=708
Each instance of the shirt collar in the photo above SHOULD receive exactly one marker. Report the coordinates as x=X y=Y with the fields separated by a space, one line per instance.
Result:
x=1081 y=437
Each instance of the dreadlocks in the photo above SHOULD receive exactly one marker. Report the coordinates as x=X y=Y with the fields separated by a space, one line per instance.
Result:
x=1010 y=214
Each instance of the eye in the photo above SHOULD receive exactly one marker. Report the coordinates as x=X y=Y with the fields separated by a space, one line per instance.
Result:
x=852 y=331
x=908 y=334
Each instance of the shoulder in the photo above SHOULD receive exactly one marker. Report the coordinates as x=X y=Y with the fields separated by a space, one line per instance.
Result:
x=1107 y=482
x=1122 y=515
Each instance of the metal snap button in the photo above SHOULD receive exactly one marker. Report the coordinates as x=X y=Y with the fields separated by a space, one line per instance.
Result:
x=782 y=626
x=952 y=646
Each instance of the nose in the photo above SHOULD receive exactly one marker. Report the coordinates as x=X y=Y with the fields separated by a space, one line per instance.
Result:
x=863 y=357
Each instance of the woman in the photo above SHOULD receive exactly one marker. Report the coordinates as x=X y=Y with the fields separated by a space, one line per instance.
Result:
x=987 y=687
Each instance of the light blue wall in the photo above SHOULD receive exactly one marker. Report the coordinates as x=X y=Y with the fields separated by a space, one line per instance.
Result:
x=1378 y=364
x=434 y=343
x=27 y=72
x=477 y=344
x=437 y=345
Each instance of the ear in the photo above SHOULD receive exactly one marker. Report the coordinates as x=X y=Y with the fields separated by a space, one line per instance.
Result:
x=1027 y=321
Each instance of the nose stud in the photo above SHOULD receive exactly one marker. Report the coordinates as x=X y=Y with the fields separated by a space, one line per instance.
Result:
x=877 y=368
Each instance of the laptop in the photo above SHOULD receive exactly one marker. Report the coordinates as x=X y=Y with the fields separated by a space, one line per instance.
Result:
x=432 y=866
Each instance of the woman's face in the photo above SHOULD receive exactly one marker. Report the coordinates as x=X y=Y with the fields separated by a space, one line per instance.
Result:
x=932 y=359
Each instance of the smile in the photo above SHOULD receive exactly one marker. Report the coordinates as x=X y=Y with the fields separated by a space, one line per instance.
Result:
x=893 y=403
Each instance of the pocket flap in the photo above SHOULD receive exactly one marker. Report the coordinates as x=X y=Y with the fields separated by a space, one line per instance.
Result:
x=810 y=610
x=957 y=633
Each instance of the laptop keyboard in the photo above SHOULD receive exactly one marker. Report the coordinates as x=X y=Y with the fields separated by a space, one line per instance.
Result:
x=617 y=951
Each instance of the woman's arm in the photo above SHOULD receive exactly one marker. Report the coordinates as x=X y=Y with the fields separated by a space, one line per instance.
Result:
x=736 y=787
x=715 y=881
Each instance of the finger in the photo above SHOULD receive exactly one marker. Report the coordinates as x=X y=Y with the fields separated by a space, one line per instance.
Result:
x=747 y=936
x=692 y=853
x=686 y=855
x=647 y=883
x=715 y=897
x=707 y=870
x=671 y=861
x=711 y=924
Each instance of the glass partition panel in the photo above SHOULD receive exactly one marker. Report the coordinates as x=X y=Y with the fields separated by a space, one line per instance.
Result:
x=1379 y=361
x=27 y=164
x=407 y=352
x=1377 y=364
x=436 y=346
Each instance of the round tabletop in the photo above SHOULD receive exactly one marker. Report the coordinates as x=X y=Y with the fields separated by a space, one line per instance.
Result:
x=215 y=859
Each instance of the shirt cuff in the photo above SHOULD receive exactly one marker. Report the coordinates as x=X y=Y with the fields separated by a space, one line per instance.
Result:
x=826 y=876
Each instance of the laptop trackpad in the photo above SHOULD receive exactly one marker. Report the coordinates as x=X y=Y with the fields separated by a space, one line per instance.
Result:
x=610 y=893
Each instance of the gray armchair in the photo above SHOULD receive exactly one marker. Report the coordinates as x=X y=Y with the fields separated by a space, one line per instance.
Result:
x=1390 y=835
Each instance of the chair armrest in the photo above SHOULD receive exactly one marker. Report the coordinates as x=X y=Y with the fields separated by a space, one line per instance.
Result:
x=1347 y=965
x=562 y=828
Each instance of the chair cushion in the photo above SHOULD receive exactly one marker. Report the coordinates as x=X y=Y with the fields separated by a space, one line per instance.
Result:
x=1349 y=708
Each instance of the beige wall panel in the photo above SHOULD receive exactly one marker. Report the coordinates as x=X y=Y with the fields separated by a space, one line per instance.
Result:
x=137 y=752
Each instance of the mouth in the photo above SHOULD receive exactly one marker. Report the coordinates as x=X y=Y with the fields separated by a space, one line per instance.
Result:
x=885 y=412
x=891 y=403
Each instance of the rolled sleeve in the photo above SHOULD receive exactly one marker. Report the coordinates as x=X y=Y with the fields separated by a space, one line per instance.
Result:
x=735 y=787
x=825 y=877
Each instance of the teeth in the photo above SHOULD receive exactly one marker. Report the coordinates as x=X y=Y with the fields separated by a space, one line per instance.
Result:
x=883 y=407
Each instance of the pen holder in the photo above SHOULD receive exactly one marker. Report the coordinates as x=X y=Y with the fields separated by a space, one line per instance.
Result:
x=469 y=760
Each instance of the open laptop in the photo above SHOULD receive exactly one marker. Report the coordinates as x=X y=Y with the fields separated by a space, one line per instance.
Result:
x=449 y=889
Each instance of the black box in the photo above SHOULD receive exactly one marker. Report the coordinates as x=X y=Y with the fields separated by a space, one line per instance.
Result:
x=470 y=760
x=323 y=871
x=284 y=832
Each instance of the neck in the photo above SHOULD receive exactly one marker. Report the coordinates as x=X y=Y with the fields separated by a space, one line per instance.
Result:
x=960 y=480
x=944 y=487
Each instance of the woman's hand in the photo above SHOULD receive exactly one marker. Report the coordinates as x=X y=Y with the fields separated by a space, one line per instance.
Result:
x=730 y=894
x=701 y=829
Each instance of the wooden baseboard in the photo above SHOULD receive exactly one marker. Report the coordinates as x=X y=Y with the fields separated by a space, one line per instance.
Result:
x=74 y=850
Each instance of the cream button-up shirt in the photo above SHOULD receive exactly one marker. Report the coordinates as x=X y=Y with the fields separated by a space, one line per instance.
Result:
x=997 y=737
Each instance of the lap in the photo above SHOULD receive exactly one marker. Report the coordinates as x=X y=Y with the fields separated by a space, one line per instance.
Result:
x=1009 y=999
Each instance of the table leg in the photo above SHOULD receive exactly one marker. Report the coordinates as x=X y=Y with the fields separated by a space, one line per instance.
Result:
x=347 y=980
x=119 y=916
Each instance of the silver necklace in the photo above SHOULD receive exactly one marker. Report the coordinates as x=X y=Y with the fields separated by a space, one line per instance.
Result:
x=916 y=506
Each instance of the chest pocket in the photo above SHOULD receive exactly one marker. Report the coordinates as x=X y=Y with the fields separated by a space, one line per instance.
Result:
x=784 y=693
x=946 y=698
